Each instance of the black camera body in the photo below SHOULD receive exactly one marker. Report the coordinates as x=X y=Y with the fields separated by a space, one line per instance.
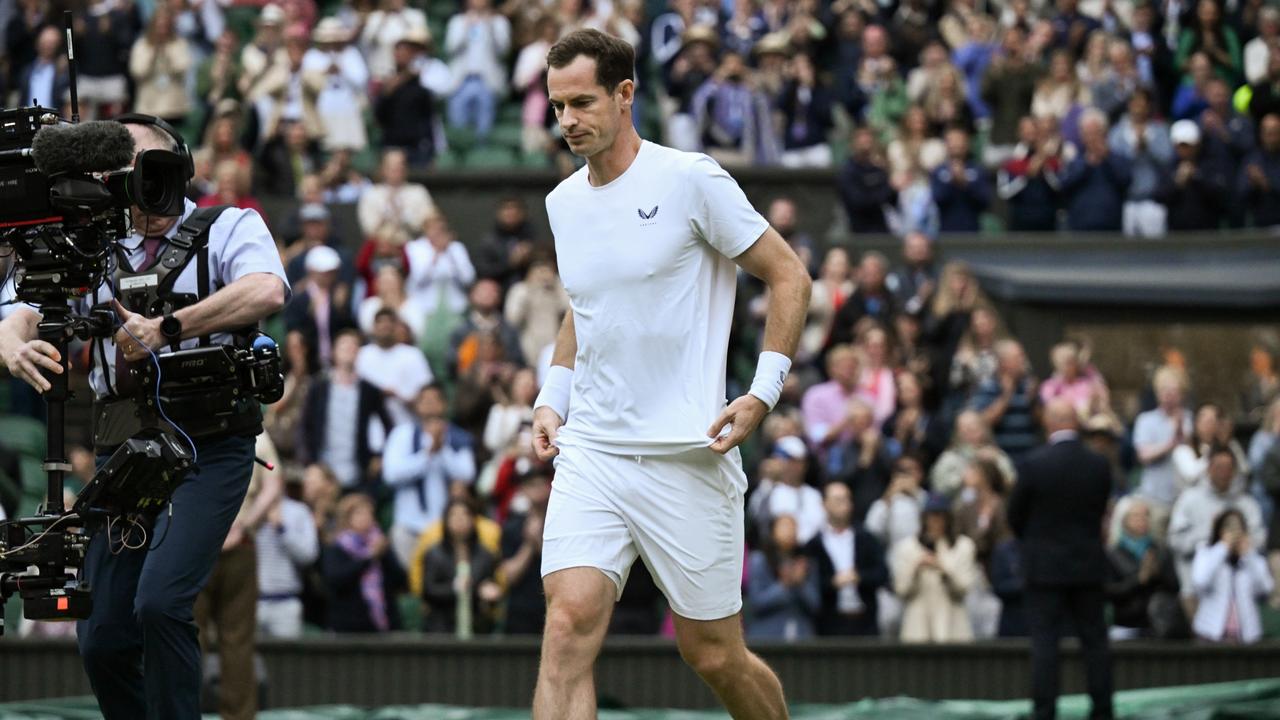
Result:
x=65 y=194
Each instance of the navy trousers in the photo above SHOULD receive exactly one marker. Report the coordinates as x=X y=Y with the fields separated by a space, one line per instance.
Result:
x=139 y=646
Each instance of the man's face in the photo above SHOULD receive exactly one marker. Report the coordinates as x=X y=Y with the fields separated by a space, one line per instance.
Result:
x=1271 y=132
x=1137 y=522
x=394 y=168
x=430 y=405
x=844 y=369
x=384 y=330
x=47 y=48
x=782 y=216
x=871 y=274
x=485 y=296
x=1094 y=134
x=1218 y=95
x=864 y=143
x=1222 y=469
x=838 y=503
x=345 y=349
x=958 y=145
x=316 y=230
x=510 y=214
x=403 y=54
x=590 y=116
x=325 y=280
x=917 y=249
x=874 y=43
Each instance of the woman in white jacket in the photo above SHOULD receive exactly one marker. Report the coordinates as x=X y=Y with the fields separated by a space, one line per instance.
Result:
x=1230 y=579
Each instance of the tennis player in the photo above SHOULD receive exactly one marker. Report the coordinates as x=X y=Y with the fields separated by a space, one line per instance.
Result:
x=633 y=410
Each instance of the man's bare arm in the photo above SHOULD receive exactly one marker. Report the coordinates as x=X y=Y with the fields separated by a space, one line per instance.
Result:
x=242 y=303
x=772 y=260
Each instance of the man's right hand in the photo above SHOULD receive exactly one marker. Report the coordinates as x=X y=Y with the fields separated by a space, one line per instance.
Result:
x=26 y=360
x=546 y=426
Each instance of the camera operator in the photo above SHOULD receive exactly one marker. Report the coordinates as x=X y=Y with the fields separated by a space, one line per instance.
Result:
x=139 y=644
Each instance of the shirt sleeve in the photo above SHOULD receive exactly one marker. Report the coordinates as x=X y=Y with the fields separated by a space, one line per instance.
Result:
x=720 y=211
x=244 y=246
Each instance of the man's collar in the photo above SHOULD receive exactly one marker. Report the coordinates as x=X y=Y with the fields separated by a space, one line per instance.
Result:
x=1063 y=436
x=133 y=241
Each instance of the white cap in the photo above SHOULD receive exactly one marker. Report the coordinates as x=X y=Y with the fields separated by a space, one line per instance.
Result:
x=323 y=258
x=791 y=448
x=313 y=211
x=1185 y=132
x=272 y=14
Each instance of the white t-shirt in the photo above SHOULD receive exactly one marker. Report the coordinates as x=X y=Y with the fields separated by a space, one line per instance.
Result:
x=804 y=503
x=646 y=260
x=400 y=368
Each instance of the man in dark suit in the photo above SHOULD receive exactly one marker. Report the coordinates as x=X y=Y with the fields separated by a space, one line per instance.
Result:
x=336 y=415
x=1056 y=511
x=851 y=567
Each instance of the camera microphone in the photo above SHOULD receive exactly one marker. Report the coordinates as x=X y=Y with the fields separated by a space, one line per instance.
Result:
x=99 y=146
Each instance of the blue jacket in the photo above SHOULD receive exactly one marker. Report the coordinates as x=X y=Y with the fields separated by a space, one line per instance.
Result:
x=960 y=207
x=1263 y=204
x=775 y=608
x=1095 y=193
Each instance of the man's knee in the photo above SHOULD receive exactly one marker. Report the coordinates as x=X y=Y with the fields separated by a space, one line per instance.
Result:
x=155 y=609
x=713 y=660
x=577 y=616
x=104 y=646
x=574 y=619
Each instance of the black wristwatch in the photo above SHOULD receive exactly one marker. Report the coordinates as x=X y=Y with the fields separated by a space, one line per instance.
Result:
x=171 y=328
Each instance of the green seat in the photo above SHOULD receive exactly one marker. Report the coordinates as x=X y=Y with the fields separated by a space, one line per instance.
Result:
x=410 y=612
x=460 y=139
x=536 y=160
x=491 y=157
x=447 y=160
x=507 y=135
x=23 y=435
x=509 y=113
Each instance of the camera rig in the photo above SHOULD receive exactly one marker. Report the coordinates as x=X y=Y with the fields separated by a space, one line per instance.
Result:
x=63 y=207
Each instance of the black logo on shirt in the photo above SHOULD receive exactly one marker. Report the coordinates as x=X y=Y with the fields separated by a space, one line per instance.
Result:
x=649 y=215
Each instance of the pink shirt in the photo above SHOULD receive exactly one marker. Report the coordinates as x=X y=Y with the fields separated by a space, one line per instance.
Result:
x=826 y=404
x=1078 y=392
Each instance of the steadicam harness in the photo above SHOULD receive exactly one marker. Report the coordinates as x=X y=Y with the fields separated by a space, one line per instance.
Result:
x=198 y=406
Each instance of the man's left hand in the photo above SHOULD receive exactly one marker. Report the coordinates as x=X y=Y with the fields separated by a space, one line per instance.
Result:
x=742 y=416
x=145 y=330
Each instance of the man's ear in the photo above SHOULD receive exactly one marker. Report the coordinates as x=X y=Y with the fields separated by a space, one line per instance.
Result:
x=627 y=92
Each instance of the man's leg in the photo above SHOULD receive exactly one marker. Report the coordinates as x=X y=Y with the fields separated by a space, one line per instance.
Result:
x=185 y=547
x=110 y=639
x=716 y=651
x=1044 y=620
x=1088 y=612
x=238 y=692
x=579 y=603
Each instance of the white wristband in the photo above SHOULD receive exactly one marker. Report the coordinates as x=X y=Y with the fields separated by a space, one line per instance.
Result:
x=771 y=373
x=555 y=391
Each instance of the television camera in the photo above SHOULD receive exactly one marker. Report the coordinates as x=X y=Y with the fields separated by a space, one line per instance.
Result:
x=65 y=192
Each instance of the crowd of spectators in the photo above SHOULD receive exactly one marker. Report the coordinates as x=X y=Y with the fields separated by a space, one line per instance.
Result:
x=878 y=485
x=941 y=115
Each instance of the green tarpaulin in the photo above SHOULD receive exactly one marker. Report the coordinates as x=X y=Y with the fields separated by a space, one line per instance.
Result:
x=1245 y=700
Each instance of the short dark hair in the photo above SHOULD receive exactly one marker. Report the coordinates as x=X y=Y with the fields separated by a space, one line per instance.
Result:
x=386 y=312
x=1220 y=449
x=615 y=59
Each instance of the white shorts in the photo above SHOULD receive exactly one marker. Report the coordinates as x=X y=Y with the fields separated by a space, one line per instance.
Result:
x=681 y=513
